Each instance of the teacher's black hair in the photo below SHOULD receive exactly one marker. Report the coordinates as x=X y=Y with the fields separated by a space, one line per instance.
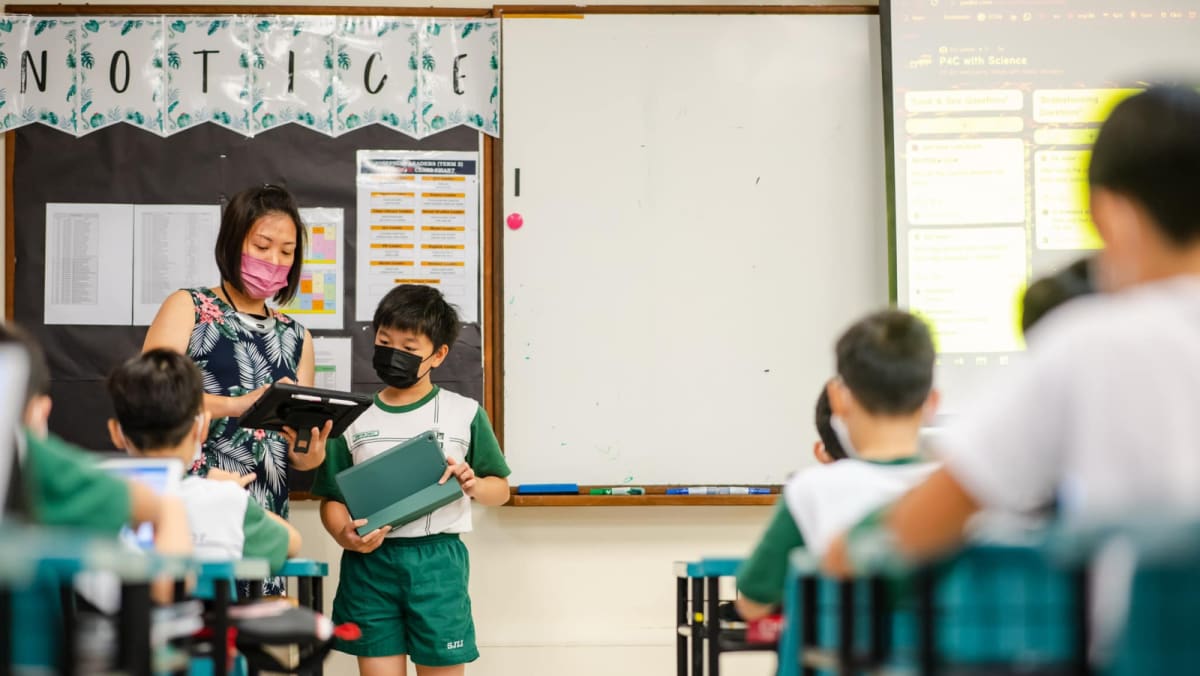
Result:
x=243 y=210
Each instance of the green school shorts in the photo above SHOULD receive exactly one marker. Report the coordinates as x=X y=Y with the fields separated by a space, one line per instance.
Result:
x=409 y=597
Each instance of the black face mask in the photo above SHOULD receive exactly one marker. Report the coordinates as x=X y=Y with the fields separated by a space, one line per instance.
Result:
x=397 y=368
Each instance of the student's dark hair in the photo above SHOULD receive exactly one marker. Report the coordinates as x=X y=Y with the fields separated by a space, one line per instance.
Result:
x=886 y=359
x=420 y=309
x=1149 y=150
x=38 y=382
x=1052 y=291
x=825 y=430
x=239 y=216
x=157 y=396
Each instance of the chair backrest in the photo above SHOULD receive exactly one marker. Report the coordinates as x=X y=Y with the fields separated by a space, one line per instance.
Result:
x=1003 y=606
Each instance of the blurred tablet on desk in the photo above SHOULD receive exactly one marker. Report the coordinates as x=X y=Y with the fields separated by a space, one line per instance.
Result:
x=162 y=475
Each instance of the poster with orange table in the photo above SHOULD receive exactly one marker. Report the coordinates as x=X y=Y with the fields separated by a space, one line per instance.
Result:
x=418 y=223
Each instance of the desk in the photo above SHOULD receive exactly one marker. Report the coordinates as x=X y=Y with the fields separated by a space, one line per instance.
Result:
x=57 y=556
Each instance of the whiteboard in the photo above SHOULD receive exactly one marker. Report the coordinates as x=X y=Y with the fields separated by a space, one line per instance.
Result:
x=704 y=212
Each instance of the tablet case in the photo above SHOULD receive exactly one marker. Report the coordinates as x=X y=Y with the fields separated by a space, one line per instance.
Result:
x=398 y=485
x=303 y=408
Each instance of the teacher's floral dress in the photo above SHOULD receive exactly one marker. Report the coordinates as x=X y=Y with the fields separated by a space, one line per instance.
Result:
x=235 y=360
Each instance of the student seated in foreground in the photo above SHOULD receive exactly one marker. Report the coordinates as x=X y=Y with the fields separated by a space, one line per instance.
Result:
x=159 y=399
x=62 y=486
x=1100 y=417
x=55 y=485
x=882 y=394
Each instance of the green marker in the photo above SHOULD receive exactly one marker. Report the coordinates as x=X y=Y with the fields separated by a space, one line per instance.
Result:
x=622 y=490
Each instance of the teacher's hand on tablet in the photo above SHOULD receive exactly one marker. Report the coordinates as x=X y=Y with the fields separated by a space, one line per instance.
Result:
x=313 y=454
x=234 y=407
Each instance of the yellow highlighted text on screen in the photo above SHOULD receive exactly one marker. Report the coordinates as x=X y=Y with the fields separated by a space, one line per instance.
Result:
x=963 y=100
x=1077 y=106
x=964 y=125
x=1065 y=137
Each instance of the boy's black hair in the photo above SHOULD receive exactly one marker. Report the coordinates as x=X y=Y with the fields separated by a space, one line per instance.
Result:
x=239 y=216
x=157 y=396
x=38 y=383
x=1149 y=150
x=1049 y=292
x=825 y=430
x=886 y=359
x=420 y=309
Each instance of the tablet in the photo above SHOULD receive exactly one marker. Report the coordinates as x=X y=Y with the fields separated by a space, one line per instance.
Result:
x=303 y=408
x=162 y=475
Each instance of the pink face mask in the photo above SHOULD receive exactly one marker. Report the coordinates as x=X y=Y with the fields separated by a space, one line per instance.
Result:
x=261 y=279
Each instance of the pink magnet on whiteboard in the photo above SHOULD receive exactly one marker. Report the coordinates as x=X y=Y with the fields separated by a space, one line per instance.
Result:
x=515 y=221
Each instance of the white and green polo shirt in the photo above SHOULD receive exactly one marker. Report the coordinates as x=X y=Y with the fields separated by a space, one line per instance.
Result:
x=462 y=427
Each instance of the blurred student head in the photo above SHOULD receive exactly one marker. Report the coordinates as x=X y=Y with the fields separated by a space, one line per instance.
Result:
x=37 y=387
x=828 y=449
x=159 y=401
x=885 y=376
x=1144 y=173
x=1049 y=292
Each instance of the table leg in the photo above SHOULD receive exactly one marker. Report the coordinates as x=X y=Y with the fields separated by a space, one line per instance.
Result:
x=697 y=626
x=681 y=620
x=220 y=651
x=713 y=616
x=134 y=631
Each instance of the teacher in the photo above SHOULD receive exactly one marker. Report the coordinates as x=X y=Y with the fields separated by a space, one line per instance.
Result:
x=242 y=345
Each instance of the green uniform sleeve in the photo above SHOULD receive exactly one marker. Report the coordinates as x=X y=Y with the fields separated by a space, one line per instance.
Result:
x=484 y=455
x=760 y=577
x=265 y=538
x=66 y=488
x=337 y=458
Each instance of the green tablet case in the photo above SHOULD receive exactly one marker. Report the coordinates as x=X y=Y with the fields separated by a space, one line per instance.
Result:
x=398 y=485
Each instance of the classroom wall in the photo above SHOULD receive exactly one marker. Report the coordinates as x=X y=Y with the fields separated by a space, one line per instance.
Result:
x=393 y=4
x=580 y=591
x=583 y=591
x=472 y=3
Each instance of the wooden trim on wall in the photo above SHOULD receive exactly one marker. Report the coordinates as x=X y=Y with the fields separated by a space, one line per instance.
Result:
x=123 y=10
x=10 y=228
x=491 y=306
x=494 y=332
x=516 y=11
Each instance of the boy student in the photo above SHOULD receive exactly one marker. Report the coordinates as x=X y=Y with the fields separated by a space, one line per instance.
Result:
x=159 y=402
x=827 y=449
x=881 y=395
x=62 y=484
x=1051 y=291
x=407 y=588
x=1109 y=381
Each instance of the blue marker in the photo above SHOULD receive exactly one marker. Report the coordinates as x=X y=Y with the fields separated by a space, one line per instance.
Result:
x=718 y=490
